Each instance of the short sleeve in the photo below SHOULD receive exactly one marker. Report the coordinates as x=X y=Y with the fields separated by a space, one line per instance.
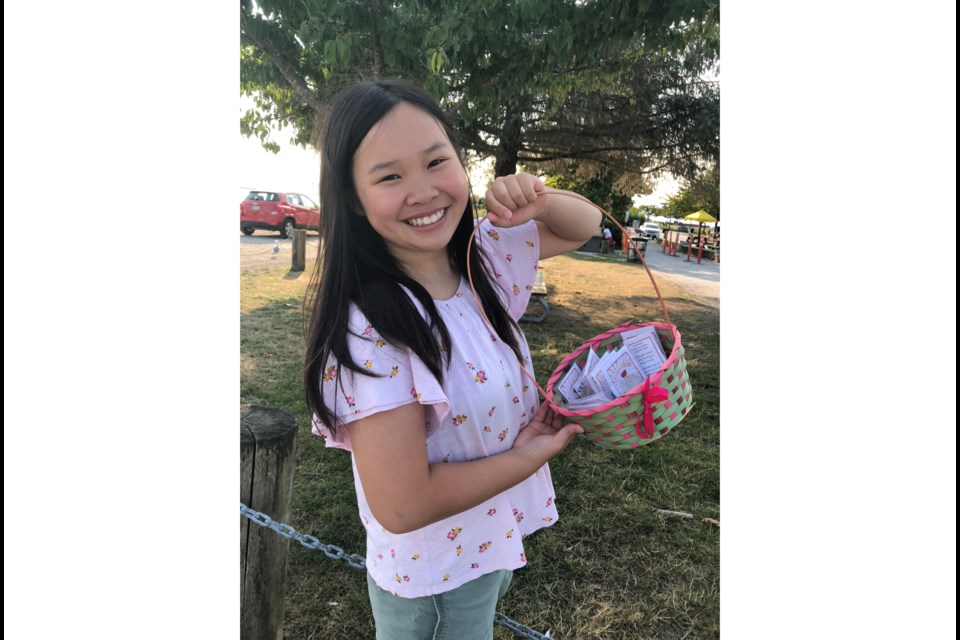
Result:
x=400 y=378
x=513 y=254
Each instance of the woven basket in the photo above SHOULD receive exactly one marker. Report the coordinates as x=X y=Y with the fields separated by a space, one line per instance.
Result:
x=644 y=413
x=647 y=411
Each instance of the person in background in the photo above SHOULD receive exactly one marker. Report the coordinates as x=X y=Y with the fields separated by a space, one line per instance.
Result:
x=607 y=245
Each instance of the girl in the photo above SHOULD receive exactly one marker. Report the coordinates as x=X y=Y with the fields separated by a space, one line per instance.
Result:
x=449 y=443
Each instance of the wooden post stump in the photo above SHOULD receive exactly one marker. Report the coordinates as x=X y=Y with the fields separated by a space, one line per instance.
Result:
x=267 y=441
x=299 y=258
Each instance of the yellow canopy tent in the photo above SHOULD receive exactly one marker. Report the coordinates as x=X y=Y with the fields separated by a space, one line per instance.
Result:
x=701 y=217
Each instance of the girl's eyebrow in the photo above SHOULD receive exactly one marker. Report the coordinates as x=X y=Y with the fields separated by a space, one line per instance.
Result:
x=386 y=165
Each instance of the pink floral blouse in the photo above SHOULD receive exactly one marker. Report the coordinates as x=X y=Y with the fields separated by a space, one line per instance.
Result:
x=484 y=402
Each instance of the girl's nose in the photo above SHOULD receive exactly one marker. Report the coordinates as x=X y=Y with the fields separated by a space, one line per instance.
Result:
x=421 y=191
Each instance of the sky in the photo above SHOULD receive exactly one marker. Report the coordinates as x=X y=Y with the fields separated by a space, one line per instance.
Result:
x=292 y=169
x=121 y=321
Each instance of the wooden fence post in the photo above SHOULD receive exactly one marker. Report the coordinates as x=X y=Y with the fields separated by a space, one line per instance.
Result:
x=299 y=258
x=267 y=441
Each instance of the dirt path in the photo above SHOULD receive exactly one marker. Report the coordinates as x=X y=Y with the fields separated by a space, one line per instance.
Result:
x=701 y=281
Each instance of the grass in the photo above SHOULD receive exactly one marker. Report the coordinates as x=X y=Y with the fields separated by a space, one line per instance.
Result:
x=611 y=567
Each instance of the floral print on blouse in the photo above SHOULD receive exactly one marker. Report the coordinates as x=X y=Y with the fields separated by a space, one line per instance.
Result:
x=478 y=411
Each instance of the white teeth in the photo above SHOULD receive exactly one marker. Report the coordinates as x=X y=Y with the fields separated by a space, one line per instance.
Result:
x=419 y=222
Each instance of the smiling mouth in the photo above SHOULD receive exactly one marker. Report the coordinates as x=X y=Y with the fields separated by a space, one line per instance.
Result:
x=426 y=220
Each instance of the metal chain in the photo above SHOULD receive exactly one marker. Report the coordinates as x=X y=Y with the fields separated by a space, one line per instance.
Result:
x=359 y=562
x=331 y=551
x=275 y=248
x=517 y=628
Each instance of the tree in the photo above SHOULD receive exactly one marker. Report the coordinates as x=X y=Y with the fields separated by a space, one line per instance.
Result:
x=643 y=212
x=701 y=192
x=612 y=85
x=705 y=189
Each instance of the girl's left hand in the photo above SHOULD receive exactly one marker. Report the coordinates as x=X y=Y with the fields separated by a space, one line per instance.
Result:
x=545 y=436
x=513 y=200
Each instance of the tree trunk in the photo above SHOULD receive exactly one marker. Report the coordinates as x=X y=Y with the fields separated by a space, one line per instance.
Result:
x=377 y=58
x=509 y=149
x=377 y=46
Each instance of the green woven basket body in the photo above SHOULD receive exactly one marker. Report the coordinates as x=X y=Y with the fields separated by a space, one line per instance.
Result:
x=644 y=413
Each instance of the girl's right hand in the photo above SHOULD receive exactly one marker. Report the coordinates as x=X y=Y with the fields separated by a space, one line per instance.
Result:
x=515 y=199
x=545 y=436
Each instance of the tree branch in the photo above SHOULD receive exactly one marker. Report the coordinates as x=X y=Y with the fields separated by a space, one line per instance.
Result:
x=295 y=81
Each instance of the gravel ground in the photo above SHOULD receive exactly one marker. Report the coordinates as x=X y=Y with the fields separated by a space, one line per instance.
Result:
x=701 y=282
x=257 y=251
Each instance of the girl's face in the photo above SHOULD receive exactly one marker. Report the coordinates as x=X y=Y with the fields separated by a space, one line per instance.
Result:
x=410 y=183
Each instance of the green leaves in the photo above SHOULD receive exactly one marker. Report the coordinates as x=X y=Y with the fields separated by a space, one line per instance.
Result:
x=435 y=60
x=702 y=192
x=338 y=52
x=611 y=85
x=437 y=86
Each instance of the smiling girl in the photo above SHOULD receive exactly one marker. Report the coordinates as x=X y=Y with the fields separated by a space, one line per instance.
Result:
x=449 y=443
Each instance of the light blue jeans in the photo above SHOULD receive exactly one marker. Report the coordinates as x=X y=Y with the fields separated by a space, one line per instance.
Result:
x=465 y=613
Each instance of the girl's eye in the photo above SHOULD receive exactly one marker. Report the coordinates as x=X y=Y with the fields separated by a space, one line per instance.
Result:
x=437 y=162
x=390 y=177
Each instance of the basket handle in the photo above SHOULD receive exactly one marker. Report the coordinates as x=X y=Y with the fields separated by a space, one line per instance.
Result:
x=569 y=194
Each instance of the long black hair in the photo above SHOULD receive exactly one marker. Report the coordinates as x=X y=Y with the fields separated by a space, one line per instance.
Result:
x=354 y=265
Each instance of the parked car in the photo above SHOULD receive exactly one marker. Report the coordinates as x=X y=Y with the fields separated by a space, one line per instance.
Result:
x=276 y=211
x=650 y=230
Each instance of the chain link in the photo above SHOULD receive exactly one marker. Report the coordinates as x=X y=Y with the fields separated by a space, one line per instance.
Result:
x=517 y=628
x=331 y=551
x=275 y=248
x=334 y=552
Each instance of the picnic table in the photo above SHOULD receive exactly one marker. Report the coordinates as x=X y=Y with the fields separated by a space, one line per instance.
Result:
x=710 y=252
x=538 y=296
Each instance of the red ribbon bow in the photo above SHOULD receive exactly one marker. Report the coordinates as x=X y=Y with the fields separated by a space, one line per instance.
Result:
x=650 y=395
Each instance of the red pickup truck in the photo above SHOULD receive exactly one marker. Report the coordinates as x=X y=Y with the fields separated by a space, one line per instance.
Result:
x=275 y=211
